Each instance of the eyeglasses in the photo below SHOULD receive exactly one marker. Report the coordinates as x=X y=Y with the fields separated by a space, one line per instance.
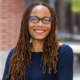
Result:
x=45 y=20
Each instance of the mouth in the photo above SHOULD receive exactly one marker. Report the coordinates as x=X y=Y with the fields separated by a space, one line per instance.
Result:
x=39 y=31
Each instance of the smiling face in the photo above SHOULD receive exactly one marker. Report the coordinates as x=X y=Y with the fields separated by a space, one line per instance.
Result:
x=39 y=31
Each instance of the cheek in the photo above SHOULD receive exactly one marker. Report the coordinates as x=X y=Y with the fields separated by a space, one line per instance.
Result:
x=30 y=26
x=49 y=27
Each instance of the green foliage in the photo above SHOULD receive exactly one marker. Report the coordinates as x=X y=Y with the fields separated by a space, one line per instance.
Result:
x=75 y=5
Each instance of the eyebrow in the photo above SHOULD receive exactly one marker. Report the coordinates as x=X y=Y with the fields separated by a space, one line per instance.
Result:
x=42 y=17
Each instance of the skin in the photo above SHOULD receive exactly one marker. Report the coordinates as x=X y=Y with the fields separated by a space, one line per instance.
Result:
x=35 y=28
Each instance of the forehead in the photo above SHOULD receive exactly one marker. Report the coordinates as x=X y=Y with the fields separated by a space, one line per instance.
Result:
x=40 y=11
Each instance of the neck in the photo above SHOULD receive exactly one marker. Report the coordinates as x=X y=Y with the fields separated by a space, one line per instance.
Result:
x=36 y=46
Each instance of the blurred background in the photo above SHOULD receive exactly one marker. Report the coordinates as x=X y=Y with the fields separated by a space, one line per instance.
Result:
x=68 y=28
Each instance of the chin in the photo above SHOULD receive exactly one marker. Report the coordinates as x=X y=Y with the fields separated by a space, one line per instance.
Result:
x=39 y=38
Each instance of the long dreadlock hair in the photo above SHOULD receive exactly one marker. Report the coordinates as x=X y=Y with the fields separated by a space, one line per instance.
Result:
x=22 y=54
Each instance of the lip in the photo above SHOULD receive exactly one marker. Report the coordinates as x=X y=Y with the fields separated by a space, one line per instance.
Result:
x=39 y=31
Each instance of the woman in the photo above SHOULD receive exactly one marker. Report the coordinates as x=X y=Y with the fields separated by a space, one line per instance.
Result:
x=43 y=58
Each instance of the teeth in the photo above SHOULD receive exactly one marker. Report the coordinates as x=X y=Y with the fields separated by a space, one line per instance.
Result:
x=38 y=31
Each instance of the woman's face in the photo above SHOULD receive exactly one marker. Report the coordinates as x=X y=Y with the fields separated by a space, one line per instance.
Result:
x=38 y=30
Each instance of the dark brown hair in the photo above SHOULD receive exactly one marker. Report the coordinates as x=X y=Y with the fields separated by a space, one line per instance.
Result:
x=22 y=55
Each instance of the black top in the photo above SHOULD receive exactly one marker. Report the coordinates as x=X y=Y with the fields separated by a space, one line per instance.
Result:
x=65 y=66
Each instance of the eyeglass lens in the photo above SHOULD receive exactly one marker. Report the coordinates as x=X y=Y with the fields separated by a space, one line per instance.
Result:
x=44 y=20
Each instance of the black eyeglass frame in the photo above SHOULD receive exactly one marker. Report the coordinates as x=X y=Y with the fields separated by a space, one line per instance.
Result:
x=41 y=19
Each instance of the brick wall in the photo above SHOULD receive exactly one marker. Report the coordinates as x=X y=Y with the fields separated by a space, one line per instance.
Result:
x=11 y=12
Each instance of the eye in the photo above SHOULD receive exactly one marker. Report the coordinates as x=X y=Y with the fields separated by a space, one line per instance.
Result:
x=45 y=20
x=34 y=19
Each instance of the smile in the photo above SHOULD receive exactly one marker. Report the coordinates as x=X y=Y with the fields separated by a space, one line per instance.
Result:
x=39 y=31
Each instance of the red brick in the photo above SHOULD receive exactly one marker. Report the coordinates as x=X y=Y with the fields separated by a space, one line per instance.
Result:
x=10 y=20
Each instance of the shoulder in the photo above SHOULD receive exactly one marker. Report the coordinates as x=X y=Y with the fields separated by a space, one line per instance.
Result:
x=65 y=49
x=11 y=51
x=10 y=54
x=65 y=55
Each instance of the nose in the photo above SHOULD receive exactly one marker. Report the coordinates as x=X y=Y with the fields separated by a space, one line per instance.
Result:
x=40 y=22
